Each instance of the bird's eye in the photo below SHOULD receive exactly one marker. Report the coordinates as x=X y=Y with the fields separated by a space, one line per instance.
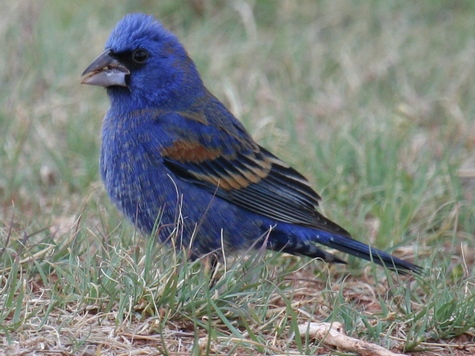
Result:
x=140 y=56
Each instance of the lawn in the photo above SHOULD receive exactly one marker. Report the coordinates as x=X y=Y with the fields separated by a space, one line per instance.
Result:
x=372 y=101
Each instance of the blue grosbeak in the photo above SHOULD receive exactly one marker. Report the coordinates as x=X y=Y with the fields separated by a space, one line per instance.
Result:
x=179 y=165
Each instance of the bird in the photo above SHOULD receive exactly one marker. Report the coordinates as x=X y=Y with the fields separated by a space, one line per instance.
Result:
x=183 y=169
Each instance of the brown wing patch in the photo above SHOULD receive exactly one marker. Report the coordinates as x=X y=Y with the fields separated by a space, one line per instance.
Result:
x=209 y=165
x=213 y=180
x=228 y=180
x=244 y=175
x=257 y=171
x=189 y=151
x=236 y=181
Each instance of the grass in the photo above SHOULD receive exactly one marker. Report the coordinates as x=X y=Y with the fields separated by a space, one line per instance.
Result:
x=372 y=101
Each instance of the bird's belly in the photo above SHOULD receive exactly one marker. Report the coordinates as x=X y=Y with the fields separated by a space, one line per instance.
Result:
x=159 y=204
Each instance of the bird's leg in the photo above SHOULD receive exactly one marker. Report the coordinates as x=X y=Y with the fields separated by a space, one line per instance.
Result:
x=211 y=264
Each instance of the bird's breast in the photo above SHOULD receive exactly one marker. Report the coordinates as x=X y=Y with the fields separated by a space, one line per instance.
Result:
x=135 y=178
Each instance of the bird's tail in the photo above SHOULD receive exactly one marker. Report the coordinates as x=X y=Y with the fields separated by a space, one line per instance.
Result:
x=359 y=249
x=298 y=246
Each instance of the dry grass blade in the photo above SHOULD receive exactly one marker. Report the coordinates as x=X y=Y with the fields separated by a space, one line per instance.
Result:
x=333 y=334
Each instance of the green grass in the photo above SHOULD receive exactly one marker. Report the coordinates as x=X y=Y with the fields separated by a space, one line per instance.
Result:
x=372 y=101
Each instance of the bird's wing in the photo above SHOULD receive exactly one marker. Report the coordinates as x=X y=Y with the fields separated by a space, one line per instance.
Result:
x=223 y=159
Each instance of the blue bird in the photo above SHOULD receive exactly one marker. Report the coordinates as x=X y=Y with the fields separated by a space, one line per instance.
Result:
x=181 y=167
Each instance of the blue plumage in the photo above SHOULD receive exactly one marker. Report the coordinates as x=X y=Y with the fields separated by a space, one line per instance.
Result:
x=172 y=153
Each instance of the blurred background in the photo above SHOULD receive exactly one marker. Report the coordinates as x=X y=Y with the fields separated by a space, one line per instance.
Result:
x=372 y=101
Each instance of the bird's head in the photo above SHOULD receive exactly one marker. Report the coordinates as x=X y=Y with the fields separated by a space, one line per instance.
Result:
x=144 y=65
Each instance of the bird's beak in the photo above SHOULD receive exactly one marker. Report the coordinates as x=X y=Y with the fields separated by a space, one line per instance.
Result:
x=105 y=71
